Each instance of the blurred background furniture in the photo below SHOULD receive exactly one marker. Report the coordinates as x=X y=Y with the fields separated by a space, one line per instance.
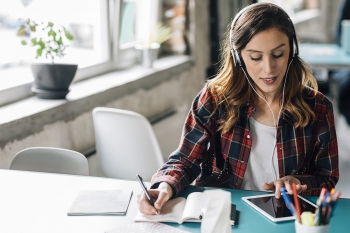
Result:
x=343 y=76
x=343 y=13
x=125 y=144
x=331 y=64
x=51 y=160
x=329 y=56
x=334 y=62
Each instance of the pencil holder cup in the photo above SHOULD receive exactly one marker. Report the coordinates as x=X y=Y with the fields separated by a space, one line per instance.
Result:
x=300 y=228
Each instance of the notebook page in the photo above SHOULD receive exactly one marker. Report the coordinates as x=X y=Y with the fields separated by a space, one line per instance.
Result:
x=100 y=202
x=193 y=208
x=171 y=212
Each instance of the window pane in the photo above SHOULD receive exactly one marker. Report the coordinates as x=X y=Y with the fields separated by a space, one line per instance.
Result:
x=81 y=17
x=127 y=32
x=138 y=19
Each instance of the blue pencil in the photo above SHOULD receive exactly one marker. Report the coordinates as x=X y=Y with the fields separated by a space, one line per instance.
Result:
x=288 y=201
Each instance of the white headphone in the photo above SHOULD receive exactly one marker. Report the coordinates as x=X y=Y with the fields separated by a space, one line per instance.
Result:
x=237 y=60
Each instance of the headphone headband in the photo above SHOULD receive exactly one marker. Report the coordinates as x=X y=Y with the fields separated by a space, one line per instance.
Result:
x=235 y=55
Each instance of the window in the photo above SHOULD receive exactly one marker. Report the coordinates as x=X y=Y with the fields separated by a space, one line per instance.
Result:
x=89 y=46
x=104 y=35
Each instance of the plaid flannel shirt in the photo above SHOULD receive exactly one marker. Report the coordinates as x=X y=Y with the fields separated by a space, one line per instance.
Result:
x=308 y=153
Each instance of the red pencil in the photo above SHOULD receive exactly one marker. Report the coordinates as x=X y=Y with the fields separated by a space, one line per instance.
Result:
x=296 y=201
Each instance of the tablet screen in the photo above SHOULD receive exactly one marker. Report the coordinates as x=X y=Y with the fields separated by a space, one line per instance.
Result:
x=277 y=208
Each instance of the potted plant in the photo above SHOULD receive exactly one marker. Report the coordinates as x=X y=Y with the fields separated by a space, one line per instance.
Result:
x=51 y=81
x=149 y=49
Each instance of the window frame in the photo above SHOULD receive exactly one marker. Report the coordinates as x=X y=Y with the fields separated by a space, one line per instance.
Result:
x=118 y=57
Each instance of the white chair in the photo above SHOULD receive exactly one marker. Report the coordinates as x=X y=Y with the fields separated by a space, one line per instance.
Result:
x=126 y=144
x=52 y=160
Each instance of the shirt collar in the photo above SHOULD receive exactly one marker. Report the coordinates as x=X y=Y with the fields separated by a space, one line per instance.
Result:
x=249 y=109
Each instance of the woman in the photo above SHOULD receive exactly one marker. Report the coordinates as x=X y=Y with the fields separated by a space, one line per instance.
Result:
x=267 y=124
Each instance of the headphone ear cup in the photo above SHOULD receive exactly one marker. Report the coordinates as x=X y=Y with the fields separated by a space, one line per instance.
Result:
x=296 y=46
x=237 y=59
x=233 y=57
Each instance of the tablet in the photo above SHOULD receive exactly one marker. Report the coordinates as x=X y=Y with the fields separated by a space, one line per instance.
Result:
x=276 y=209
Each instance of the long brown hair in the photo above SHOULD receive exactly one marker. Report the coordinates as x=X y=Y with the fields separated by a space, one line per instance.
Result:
x=230 y=86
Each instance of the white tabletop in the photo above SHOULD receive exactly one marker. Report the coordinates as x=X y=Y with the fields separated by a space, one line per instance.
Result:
x=38 y=202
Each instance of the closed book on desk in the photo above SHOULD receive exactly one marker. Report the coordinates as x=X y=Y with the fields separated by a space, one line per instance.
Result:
x=101 y=202
x=180 y=210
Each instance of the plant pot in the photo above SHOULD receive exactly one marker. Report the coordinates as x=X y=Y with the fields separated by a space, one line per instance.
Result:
x=148 y=54
x=52 y=81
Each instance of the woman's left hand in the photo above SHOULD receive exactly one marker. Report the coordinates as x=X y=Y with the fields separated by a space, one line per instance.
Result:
x=285 y=182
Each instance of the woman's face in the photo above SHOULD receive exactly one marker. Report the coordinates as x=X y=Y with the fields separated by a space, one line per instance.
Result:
x=266 y=59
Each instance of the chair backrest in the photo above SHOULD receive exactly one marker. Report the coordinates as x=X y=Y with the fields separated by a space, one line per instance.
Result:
x=125 y=144
x=52 y=160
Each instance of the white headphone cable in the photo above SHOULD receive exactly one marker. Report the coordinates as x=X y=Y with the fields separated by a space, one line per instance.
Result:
x=273 y=115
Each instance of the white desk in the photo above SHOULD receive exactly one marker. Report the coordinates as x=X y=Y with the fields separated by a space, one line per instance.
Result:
x=38 y=202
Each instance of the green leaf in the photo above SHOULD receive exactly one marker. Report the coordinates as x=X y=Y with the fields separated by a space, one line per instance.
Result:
x=52 y=33
x=163 y=33
x=41 y=44
x=39 y=52
x=49 y=24
x=33 y=28
x=34 y=41
x=23 y=42
x=68 y=35
x=22 y=31
x=59 y=41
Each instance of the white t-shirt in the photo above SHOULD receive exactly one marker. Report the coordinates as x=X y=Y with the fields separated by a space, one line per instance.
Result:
x=259 y=168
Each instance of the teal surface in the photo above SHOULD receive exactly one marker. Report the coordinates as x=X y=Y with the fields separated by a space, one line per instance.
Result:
x=324 y=54
x=250 y=220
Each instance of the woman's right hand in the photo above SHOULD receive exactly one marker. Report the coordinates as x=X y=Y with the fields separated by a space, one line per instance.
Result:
x=159 y=196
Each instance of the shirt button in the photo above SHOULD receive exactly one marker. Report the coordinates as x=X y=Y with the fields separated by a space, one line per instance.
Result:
x=248 y=136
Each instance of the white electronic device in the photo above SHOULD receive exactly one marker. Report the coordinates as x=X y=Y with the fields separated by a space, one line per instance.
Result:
x=276 y=209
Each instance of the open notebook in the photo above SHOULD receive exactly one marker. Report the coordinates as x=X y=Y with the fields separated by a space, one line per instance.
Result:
x=101 y=202
x=181 y=210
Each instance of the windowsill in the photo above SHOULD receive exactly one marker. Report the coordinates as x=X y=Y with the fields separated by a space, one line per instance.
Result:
x=87 y=94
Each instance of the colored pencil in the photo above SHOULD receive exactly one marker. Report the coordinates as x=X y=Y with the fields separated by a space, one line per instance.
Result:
x=296 y=202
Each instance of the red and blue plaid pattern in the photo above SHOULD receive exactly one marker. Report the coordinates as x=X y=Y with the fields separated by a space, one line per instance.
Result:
x=309 y=153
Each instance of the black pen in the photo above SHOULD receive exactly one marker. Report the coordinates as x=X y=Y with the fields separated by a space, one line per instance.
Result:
x=139 y=178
